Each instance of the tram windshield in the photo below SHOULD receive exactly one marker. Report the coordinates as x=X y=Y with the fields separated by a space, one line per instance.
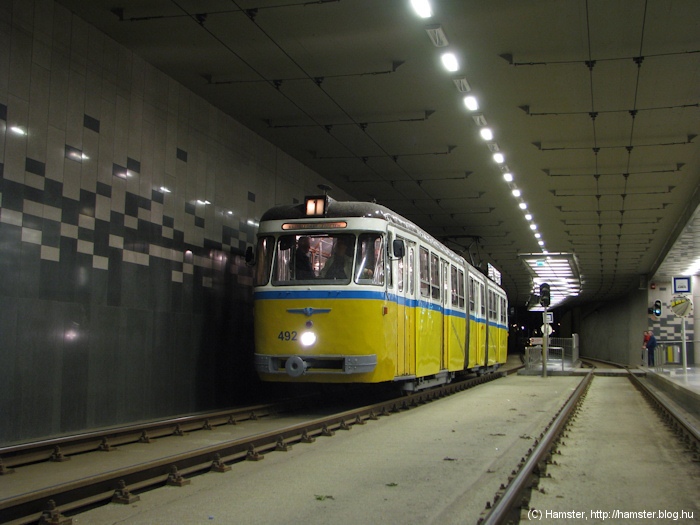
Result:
x=322 y=259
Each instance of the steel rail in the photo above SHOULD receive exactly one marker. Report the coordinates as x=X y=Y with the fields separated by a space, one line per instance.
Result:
x=670 y=414
x=511 y=497
x=59 y=448
x=104 y=487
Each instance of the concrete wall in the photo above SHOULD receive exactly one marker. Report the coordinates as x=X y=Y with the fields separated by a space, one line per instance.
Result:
x=123 y=296
x=614 y=331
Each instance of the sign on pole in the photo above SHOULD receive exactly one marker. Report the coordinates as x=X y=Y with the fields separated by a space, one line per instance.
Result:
x=682 y=306
x=681 y=284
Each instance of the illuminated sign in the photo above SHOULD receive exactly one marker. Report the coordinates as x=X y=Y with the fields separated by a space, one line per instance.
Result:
x=316 y=206
x=494 y=274
x=314 y=225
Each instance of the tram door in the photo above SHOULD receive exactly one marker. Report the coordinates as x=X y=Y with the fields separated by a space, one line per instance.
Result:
x=477 y=321
x=446 y=297
x=483 y=333
x=410 y=317
x=405 y=291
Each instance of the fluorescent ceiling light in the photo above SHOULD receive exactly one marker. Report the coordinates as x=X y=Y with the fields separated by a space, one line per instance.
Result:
x=449 y=60
x=486 y=133
x=533 y=226
x=559 y=270
x=462 y=84
x=508 y=177
x=422 y=8
x=437 y=35
x=499 y=158
x=480 y=120
x=693 y=268
x=528 y=216
x=516 y=192
x=523 y=206
x=471 y=103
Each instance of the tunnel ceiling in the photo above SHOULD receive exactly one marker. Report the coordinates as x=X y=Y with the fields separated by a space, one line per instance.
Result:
x=593 y=104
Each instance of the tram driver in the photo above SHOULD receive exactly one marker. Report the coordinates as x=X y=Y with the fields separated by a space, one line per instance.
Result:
x=303 y=266
x=339 y=264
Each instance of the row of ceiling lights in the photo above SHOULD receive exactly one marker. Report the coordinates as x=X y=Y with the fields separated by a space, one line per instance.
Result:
x=423 y=8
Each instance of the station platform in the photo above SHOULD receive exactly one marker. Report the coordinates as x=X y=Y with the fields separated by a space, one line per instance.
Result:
x=678 y=383
x=688 y=378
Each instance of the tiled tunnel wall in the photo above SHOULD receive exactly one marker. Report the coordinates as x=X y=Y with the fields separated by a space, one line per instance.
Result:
x=126 y=204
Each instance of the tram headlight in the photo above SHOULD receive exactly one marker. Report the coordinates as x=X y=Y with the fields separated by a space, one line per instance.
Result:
x=308 y=338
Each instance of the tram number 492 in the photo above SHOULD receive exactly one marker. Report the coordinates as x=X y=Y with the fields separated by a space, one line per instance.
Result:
x=287 y=336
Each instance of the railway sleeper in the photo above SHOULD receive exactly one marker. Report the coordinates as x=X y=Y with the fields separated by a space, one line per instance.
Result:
x=57 y=455
x=5 y=470
x=52 y=516
x=175 y=479
x=122 y=495
x=217 y=464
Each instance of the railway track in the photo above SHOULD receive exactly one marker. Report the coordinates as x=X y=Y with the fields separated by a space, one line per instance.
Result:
x=51 y=505
x=513 y=502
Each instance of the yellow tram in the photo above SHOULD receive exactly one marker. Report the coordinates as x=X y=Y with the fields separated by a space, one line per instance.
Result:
x=351 y=292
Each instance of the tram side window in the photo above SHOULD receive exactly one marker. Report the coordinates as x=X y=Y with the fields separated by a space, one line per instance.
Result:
x=472 y=295
x=400 y=274
x=264 y=260
x=483 y=300
x=457 y=287
x=493 y=313
x=445 y=279
x=411 y=285
x=435 y=276
x=424 y=273
x=453 y=279
x=503 y=311
x=369 y=268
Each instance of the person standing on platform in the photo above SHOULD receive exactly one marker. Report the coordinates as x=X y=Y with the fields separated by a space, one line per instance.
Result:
x=651 y=346
x=644 y=347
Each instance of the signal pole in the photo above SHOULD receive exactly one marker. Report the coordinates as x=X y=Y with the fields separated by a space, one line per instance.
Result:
x=545 y=301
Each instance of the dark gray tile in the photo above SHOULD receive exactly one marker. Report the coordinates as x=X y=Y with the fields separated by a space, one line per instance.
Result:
x=39 y=354
x=75 y=363
x=91 y=123
x=29 y=274
x=133 y=165
x=53 y=193
x=10 y=376
x=35 y=166
x=87 y=203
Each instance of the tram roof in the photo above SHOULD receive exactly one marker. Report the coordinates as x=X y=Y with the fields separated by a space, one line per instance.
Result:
x=340 y=209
